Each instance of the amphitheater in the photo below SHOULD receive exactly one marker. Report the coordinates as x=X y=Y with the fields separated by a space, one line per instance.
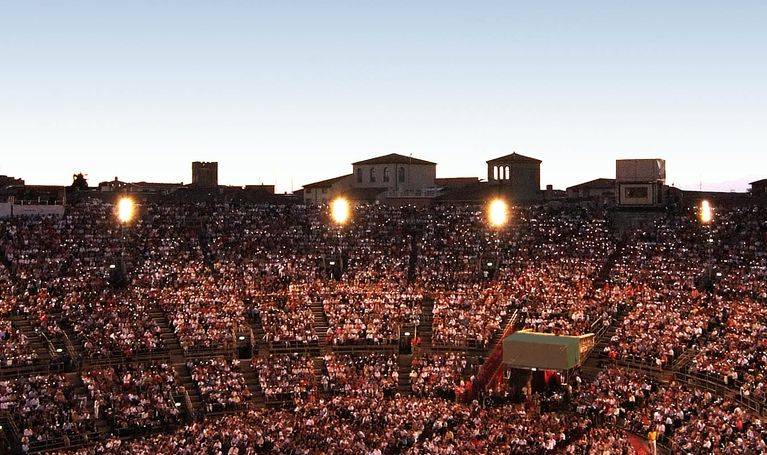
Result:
x=258 y=328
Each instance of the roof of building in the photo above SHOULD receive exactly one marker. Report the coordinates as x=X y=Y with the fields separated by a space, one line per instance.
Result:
x=759 y=182
x=515 y=157
x=456 y=181
x=327 y=183
x=601 y=183
x=394 y=158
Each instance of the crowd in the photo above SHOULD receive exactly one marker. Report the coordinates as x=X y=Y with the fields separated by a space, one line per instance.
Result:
x=687 y=419
x=15 y=348
x=210 y=270
x=47 y=410
x=735 y=352
x=206 y=311
x=221 y=384
x=469 y=316
x=365 y=315
x=612 y=393
x=285 y=377
x=345 y=425
x=694 y=288
x=373 y=374
x=287 y=319
x=603 y=441
x=112 y=323
x=441 y=374
x=135 y=396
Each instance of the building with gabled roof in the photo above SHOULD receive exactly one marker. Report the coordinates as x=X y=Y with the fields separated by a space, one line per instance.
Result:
x=399 y=176
x=519 y=174
x=385 y=177
x=394 y=158
x=514 y=157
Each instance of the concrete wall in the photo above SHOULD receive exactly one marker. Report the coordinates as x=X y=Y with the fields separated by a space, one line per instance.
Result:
x=7 y=209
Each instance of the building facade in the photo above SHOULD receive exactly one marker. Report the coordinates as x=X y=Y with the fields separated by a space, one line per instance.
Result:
x=205 y=174
x=520 y=174
x=640 y=182
x=386 y=177
x=396 y=175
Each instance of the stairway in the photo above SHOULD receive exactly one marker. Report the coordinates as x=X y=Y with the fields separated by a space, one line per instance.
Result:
x=404 y=367
x=38 y=344
x=75 y=341
x=321 y=325
x=506 y=321
x=604 y=340
x=602 y=276
x=258 y=331
x=320 y=370
x=251 y=380
x=76 y=381
x=185 y=378
x=426 y=322
x=168 y=336
x=208 y=256
x=494 y=355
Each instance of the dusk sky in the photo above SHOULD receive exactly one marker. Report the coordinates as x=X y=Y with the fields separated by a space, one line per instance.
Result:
x=290 y=92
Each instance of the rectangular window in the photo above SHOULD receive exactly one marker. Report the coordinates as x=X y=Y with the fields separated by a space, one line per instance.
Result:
x=636 y=192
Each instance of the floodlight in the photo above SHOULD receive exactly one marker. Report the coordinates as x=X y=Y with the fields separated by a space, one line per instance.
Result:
x=125 y=209
x=706 y=212
x=340 y=210
x=498 y=213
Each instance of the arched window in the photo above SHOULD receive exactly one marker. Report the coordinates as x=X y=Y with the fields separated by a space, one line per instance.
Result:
x=386 y=174
x=359 y=175
x=401 y=175
x=372 y=174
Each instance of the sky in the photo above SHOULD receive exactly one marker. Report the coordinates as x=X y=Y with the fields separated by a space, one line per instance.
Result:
x=290 y=92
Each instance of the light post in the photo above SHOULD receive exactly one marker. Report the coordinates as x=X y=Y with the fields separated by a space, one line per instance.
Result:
x=706 y=216
x=497 y=213
x=125 y=211
x=340 y=213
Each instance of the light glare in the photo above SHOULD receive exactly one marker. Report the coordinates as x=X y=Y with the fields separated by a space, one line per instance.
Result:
x=125 y=208
x=498 y=213
x=340 y=210
x=706 y=212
